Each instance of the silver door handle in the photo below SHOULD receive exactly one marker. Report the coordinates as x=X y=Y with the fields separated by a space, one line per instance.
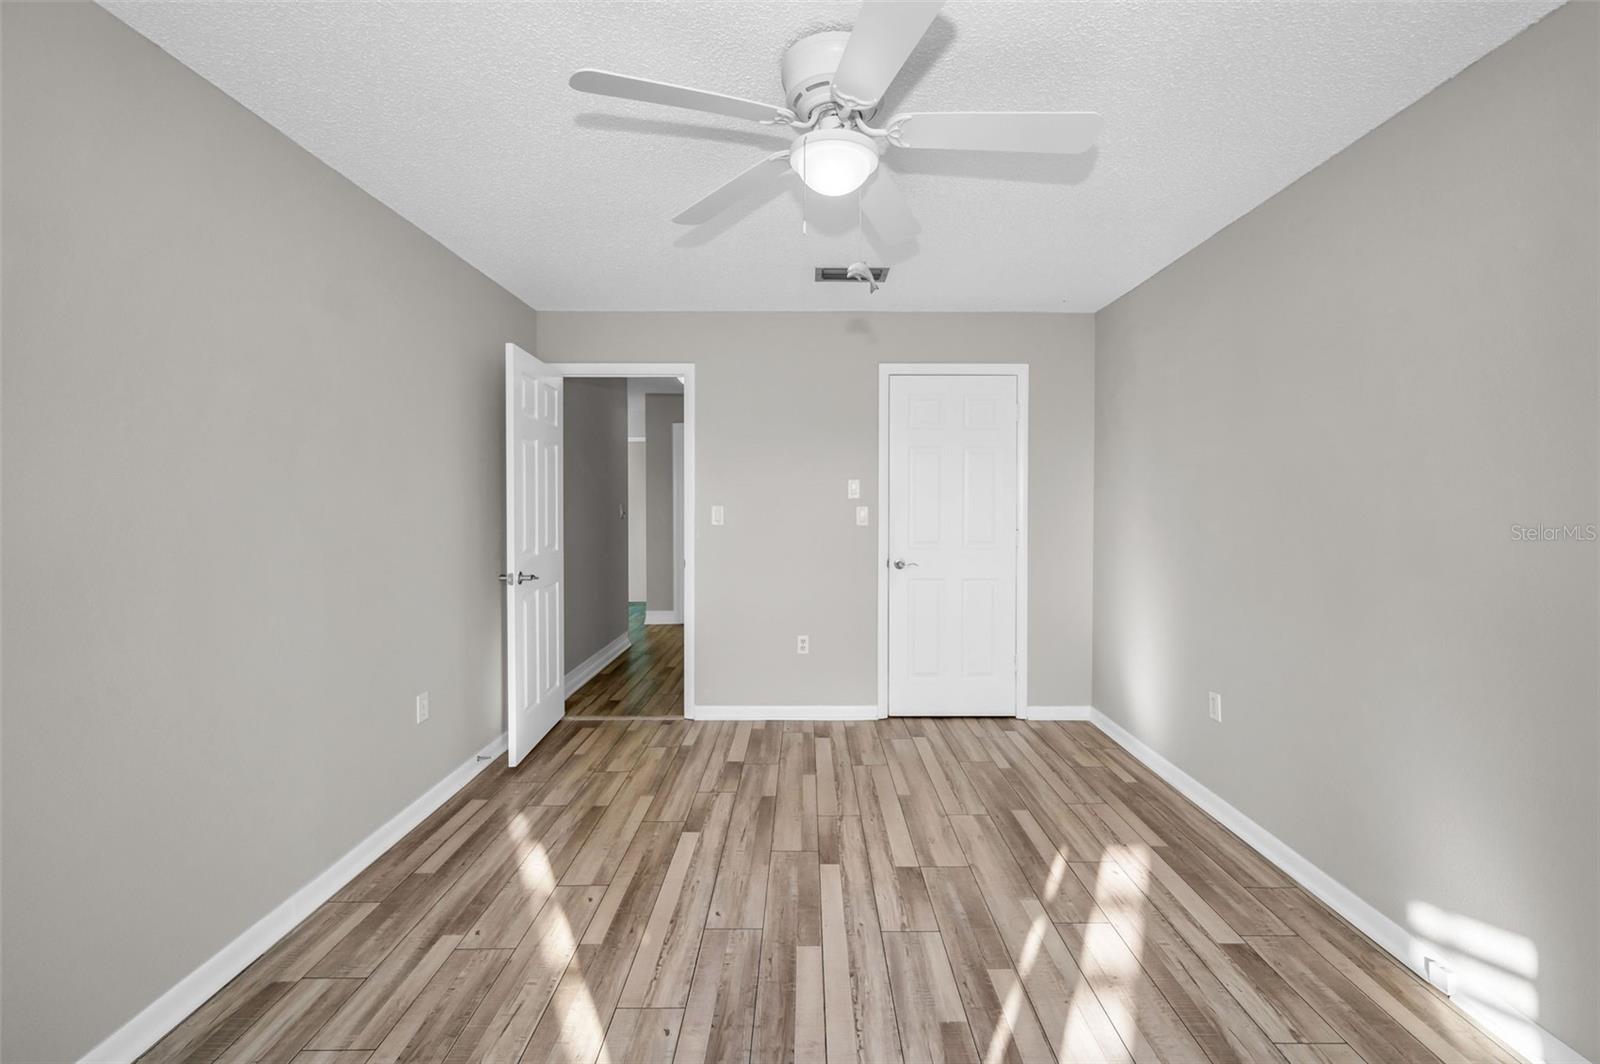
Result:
x=518 y=578
x=901 y=563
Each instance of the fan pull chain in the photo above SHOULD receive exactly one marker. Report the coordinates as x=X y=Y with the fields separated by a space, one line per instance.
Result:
x=860 y=232
x=805 y=193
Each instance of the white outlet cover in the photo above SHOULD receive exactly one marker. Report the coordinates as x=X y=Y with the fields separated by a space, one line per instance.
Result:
x=716 y=515
x=802 y=644
x=863 y=515
x=852 y=488
x=422 y=707
x=1214 y=706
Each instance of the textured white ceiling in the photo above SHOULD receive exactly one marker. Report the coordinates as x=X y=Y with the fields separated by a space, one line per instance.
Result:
x=458 y=116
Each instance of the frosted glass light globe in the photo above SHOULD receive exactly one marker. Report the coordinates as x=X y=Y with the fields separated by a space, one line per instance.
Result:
x=834 y=162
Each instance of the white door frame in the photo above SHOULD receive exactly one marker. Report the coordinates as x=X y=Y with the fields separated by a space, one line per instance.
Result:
x=678 y=510
x=1018 y=370
x=684 y=370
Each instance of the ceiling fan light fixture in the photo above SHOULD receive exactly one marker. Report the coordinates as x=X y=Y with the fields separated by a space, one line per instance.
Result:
x=834 y=162
x=833 y=83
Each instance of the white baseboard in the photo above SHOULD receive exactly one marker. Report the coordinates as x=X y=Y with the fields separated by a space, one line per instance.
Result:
x=858 y=713
x=1483 y=1003
x=171 y=1008
x=594 y=663
x=787 y=713
x=662 y=617
x=1055 y=713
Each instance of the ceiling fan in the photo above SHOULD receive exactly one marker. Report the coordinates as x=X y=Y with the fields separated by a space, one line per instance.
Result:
x=833 y=83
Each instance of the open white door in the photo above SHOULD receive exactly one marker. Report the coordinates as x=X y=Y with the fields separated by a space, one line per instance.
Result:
x=535 y=673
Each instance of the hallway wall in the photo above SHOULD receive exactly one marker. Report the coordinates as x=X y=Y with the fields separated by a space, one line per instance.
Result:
x=661 y=412
x=638 y=567
x=595 y=492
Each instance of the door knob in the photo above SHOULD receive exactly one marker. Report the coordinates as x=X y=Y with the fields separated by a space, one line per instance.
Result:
x=901 y=563
x=518 y=578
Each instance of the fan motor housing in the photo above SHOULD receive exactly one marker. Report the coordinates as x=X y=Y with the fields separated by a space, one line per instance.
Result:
x=808 y=68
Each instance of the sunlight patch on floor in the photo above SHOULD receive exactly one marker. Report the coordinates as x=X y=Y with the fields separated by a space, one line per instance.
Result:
x=1114 y=949
x=1008 y=988
x=559 y=949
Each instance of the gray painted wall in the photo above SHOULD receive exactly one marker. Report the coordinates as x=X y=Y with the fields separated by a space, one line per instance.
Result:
x=595 y=467
x=1315 y=435
x=638 y=569
x=661 y=412
x=252 y=477
x=787 y=411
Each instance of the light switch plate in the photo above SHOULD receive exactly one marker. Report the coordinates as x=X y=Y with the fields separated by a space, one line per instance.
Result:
x=863 y=515
x=422 y=707
x=852 y=488
x=716 y=515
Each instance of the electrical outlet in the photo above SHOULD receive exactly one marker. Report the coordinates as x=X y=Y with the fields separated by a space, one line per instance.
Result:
x=1435 y=971
x=852 y=489
x=422 y=707
x=802 y=644
x=716 y=515
x=863 y=515
x=1216 y=707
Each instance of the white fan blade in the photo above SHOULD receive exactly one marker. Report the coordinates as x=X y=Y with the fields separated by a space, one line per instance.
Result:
x=1046 y=132
x=885 y=33
x=885 y=210
x=605 y=83
x=761 y=175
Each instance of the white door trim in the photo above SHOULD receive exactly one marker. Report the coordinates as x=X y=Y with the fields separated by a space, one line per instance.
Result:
x=684 y=370
x=677 y=523
x=1019 y=370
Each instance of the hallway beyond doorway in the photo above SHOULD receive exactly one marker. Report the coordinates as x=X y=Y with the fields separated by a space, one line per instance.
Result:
x=647 y=681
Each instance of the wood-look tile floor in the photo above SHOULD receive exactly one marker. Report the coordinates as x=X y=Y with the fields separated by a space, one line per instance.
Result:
x=647 y=681
x=899 y=890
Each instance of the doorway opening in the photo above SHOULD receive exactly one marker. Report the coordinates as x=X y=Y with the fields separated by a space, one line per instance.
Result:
x=627 y=545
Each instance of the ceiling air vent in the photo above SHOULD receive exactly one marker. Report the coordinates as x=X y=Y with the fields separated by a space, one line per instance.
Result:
x=880 y=274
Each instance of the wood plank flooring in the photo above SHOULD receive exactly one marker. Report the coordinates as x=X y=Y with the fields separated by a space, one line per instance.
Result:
x=888 y=891
x=646 y=681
